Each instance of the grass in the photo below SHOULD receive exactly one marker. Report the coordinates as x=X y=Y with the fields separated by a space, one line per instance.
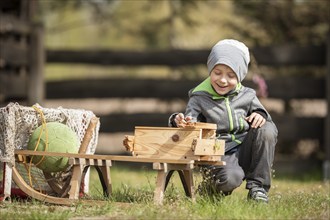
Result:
x=304 y=198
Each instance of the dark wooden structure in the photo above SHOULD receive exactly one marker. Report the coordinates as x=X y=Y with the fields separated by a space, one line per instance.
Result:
x=292 y=128
x=21 y=54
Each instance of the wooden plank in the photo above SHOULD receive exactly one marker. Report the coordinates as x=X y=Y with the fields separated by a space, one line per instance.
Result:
x=173 y=143
x=209 y=147
x=217 y=163
x=208 y=134
x=293 y=128
x=160 y=129
x=113 y=88
x=277 y=55
x=88 y=135
x=89 y=162
x=295 y=87
x=20 y=182
x=202 y=125
x=128 y=58
x=105 y=157
x=281 y=87
x=167 y=166
x=120 y=122
x=290 y=54
x=115 y=158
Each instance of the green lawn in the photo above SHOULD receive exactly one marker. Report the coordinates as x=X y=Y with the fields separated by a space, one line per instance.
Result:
x=133 y=199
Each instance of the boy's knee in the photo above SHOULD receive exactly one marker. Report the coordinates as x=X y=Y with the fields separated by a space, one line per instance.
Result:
x=229 y=180
x=268 y=132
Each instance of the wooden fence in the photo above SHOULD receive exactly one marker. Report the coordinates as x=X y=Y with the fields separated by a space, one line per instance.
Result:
x=291 y=127
x=22 y=53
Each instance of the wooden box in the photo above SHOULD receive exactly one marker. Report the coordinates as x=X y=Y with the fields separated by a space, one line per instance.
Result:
x=194 y=142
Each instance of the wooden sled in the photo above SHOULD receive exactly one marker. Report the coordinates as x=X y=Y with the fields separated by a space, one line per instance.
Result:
x=168 y=149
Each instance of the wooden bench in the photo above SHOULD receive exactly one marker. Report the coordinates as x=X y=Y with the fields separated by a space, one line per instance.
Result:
x=195 y=143
x=102 y=163
x=168 y=149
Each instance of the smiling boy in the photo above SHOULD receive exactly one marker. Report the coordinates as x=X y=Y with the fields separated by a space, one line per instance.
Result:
x=241 y=119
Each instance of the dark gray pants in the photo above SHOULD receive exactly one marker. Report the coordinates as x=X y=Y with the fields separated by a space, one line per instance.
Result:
x=252 y=162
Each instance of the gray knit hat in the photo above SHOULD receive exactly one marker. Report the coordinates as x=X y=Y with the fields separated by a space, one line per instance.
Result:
x=231 y=53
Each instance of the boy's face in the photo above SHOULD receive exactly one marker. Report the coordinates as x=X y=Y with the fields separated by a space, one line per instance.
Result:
x=223 y=79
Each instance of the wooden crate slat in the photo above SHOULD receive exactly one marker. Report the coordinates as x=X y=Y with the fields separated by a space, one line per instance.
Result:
x=173 y=143
x=209 y=147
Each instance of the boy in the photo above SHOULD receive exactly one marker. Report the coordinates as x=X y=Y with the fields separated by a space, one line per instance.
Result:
x=241 y=120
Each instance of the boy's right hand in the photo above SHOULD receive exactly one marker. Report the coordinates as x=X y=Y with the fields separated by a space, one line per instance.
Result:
x=181 y=120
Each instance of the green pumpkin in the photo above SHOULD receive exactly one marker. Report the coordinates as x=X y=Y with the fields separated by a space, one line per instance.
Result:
x=61 y=139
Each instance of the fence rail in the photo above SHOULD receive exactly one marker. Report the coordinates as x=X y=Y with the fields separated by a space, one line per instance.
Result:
x=274 y=56
x=280 y=88
x=291 y=128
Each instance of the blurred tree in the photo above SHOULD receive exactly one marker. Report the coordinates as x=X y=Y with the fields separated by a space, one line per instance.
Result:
x=153 y=21
x=165 y=24
x=300 y=21
x=99 y=10
x=155 y=31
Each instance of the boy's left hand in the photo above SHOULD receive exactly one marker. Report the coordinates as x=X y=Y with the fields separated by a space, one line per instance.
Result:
x=256 y=120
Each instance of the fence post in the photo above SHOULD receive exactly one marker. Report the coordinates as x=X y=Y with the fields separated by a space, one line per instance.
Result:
x=36 y=82
x=326 y=163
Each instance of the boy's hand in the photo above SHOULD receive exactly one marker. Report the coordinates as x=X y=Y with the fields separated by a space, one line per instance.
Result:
x=181 y=120
x=256 y=120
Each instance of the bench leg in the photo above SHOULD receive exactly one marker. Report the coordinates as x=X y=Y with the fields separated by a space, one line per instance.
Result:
x=187 y=181
x=6 y=183
x=160 y=187
x=76 y=181
x=105 y=179
x=165 y=172
x=186 y=177
x=168 y=177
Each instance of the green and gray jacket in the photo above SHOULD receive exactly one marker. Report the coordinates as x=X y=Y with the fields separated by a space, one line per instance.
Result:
x=228 y=111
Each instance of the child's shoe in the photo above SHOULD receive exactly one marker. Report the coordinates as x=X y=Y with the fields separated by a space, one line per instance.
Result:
x=258 y=194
